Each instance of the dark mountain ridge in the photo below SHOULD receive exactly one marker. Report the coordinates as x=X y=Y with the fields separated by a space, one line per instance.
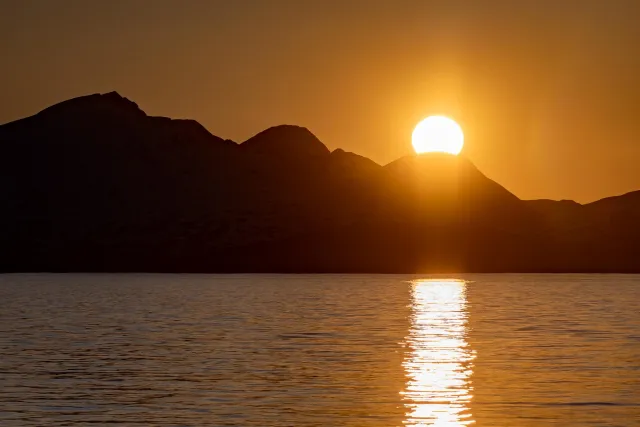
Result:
x=95 y=184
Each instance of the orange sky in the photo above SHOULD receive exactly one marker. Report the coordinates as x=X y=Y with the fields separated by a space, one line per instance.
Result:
x=547 y=91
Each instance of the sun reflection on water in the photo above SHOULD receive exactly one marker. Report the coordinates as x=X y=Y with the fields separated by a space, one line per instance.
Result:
x=439 y=361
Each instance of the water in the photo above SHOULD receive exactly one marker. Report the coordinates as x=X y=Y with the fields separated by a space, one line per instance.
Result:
x=268 y=350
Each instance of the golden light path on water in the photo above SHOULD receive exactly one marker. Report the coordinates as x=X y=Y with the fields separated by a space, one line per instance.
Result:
x=439 y=361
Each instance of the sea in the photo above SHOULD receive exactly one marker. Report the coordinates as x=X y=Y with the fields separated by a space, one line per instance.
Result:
x=319 y=350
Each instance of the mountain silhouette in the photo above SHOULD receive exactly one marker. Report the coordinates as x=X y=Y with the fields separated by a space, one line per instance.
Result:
x=95 y=184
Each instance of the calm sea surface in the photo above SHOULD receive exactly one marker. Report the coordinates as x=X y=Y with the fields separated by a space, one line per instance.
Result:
x=353 y=350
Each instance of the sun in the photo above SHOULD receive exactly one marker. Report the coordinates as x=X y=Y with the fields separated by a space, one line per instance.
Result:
x=438 y=134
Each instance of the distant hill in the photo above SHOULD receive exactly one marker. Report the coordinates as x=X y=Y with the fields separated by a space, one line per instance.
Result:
x=94 y=184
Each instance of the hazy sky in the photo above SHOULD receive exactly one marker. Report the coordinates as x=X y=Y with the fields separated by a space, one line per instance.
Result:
x=548 y=92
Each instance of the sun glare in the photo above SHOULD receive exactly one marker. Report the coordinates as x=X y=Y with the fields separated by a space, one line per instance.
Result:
x=438 y=134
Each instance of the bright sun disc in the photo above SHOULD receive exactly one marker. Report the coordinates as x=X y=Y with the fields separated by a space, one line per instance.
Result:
x=437 y=134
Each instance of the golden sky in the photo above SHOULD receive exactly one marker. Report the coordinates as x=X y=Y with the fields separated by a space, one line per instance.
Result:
x=547 y=91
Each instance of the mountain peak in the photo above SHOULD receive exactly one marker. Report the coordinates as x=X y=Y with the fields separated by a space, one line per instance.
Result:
x=286 y=140
x=446 y=173
x=430 y=162
x=111 y=102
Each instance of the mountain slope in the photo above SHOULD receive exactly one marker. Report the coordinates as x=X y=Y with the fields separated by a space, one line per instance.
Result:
x=602 y=236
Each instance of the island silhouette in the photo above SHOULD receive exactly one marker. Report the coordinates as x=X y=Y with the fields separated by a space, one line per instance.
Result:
x=93 y=184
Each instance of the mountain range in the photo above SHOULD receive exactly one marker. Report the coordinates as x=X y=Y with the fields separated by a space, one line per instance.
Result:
x=94 y=184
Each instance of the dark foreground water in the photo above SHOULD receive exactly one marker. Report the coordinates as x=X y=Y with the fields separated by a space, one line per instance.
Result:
x=265 y=350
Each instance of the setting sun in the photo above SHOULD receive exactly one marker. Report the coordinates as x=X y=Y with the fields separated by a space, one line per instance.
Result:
x=437 y=134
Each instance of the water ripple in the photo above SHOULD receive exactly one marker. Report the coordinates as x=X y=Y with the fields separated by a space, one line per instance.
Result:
x=312 y=351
